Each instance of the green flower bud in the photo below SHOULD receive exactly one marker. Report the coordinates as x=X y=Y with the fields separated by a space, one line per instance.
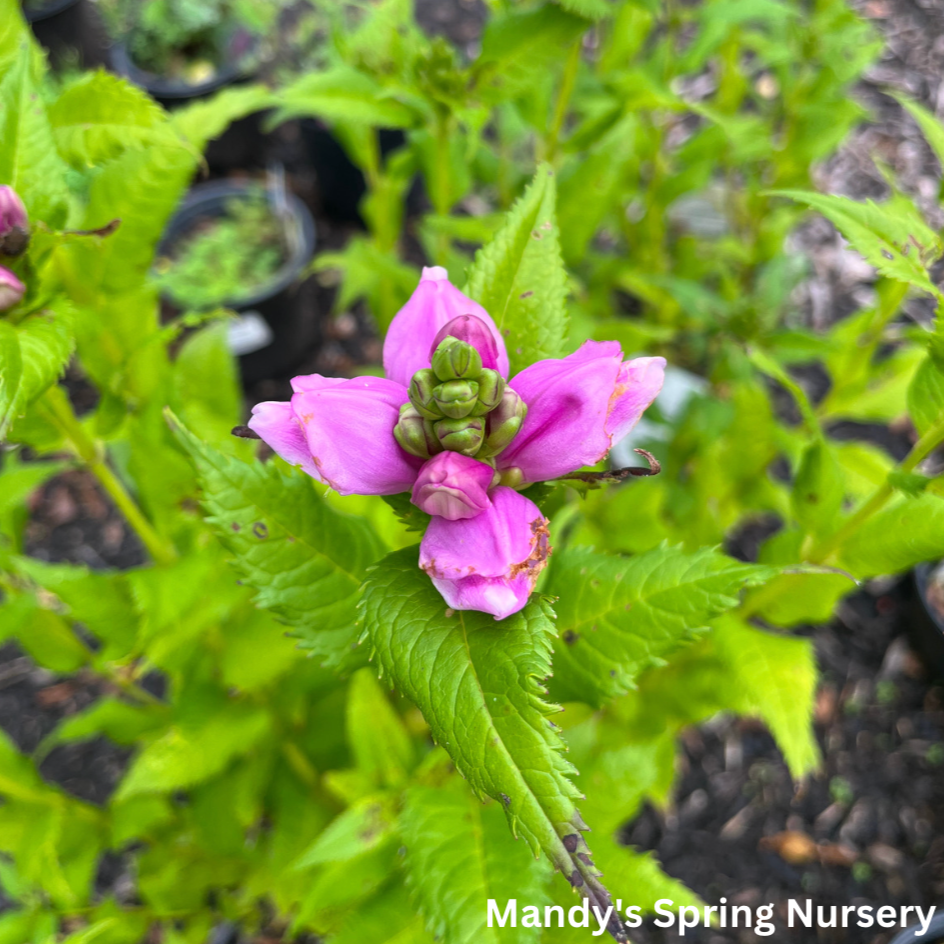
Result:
x=456 y=398
x=503 y=423
x=491 y=388
x=456 y=360
x=461 y=435
x=415 y=434
x=421 y=394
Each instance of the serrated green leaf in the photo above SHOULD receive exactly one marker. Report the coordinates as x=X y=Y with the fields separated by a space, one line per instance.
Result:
x=45 y=635
x=519 y=277
x=29 y=161
x=899 y=244
x=205 y=119
x=618 y=616
x=120 y=721
x=99 y=115
x=459 y=854
x=408 y=514
x=478 y=683
x=305 y=560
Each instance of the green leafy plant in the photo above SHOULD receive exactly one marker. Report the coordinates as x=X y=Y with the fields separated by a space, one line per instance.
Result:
x=223 y=260
x=316 y=743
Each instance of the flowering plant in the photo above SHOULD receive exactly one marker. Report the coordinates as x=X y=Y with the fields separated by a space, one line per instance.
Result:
x=445 y=425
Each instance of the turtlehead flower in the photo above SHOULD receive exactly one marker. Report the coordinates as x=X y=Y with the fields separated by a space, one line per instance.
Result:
x=14 y=223
x=450 y=427
x=11 y=289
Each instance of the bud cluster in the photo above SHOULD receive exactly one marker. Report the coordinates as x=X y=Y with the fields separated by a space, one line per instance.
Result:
x=458 y=405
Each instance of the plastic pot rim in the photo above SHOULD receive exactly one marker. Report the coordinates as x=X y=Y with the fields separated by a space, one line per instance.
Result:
x=203 y=199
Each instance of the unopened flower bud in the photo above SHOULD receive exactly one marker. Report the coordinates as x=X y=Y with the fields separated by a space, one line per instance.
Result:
x=456 y=398
x=473 y=330
x=14 y=224
x=463 y=435
x=421 y=394
x=453 y=486
x=456 y=360
x=11 y=289
x=503 y=423
x=491 y=388
x=415 y=434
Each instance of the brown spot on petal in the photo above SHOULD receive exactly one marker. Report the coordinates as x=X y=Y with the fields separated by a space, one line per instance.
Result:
x=540 y=552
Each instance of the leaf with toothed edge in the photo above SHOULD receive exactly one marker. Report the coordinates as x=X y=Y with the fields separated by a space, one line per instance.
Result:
x=478 y=682
x=460 y=854
x=519 y=277
x=305 y=559
x=621 y=615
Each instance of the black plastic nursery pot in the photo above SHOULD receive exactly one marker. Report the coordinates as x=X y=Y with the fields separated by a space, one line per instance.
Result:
x=926 y=626
x=341 y=184
x=71 y=31
x=275 y=327
x=241 y=145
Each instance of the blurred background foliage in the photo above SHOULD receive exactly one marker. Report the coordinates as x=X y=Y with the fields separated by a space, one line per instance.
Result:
x=276 y=786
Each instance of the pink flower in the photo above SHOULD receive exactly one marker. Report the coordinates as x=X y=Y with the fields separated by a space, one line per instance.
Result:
x=447 y=428
x=11 y=289
x=490 y=562
x=14 y=223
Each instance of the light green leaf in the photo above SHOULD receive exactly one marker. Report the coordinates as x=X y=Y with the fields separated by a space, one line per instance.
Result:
x=343 y=94
x=205 y=119
x=45 y=635
x=930 y=125
x=590 y=9
x=617 y=616
x=926 y=395
x=18 y=480
x=459 y=854
x=29 y=161
x=32 y=356
x=478 y=683
x=519 y=277
x=11 y=370
x=899 y=244
x=188 y=754
x=99 y=115
x=896 y=538
x=378 y=738
x=384 y=919
x=361 y=827
x=120 y=721
x=305 y=560
x=774 y=677
x=818 y=489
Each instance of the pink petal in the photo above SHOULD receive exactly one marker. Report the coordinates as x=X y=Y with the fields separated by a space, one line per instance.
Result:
x=308 y=383
x=637 y=385
x=434 y=304
x=498 y=596
x=348 y=428
x=11 y=289
x=279 y=428
x=568 y=404
x=490 y=562
x=453 y=486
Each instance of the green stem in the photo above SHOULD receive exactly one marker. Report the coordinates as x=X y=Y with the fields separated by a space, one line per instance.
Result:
x=60 y=412
x=441 y=190
x=568 y=81
x=919 y=452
